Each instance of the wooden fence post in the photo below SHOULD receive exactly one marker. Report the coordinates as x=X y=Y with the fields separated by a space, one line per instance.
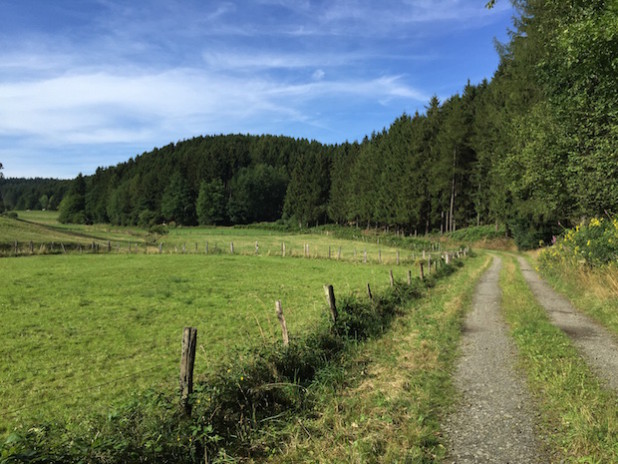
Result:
x=330 y=298
x=283 y=249
x=109 y=246
x=31 y=247
x=409 y=277
x=422 y=272
x=284 y=327
x=206 y=247
x=369 y=294
x=187 y=362
x=231 y=248
x=392 y=278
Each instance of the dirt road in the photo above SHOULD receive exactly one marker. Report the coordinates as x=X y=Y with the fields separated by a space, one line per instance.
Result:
x=494 y=420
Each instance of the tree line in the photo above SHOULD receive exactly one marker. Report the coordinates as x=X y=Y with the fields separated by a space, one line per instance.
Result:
x=534 y=148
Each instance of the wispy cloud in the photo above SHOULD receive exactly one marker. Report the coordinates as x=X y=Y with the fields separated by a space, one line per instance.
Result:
x=113 y=75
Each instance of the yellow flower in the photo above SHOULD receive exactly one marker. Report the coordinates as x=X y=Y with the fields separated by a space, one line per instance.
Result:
x=588 y=243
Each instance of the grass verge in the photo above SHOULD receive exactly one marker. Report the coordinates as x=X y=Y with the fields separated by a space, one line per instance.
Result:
x=593 y=291
x=384 y=403
x=578 y=416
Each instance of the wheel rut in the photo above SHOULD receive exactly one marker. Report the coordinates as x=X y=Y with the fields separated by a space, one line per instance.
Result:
x=594 y=342
x=495 y=419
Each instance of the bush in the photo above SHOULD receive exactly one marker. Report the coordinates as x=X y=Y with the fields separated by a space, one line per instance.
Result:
x=594 y=244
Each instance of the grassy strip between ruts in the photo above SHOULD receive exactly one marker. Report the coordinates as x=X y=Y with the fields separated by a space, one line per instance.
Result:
x=385 y=402
x=235 y=412
x=578 y=416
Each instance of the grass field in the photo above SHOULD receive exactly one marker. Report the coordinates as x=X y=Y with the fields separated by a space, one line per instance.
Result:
x=43 y=227
x=80 y=332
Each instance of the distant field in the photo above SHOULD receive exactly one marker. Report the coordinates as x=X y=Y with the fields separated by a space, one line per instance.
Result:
x=41 y=226
x=79 y=332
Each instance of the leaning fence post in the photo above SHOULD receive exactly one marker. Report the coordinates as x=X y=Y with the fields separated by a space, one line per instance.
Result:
x=369 y=294
x=330 y=298
x=392 y=278
x=187 y=361
x=284 y=327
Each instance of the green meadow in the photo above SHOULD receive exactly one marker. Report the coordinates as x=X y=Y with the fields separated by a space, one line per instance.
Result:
x=81 y=332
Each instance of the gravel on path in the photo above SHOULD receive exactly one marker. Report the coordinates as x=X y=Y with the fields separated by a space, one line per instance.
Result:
x=495 y=419
x=597 y=345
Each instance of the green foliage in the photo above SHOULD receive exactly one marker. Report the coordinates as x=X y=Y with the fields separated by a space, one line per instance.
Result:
x=177 y=203
x=594 y=243
x=210 y=206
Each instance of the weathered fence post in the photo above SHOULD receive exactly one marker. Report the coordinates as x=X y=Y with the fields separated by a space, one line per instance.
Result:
x=409 y=277
x=206 y=247
x=423 y=254
x=109 y=246
x=392 y=278
x=447 y=258
x=284 y=327
x=422 y=272
x=369 y=294
x=231 y=248
x=31 y=247
x=187 y=361
x=283 y=249
x=330 y=298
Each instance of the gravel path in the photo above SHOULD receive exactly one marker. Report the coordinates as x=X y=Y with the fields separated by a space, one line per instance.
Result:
x=494 y=422
x=597 y=345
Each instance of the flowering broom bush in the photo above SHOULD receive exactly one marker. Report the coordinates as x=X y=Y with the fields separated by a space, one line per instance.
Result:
x=594 y=244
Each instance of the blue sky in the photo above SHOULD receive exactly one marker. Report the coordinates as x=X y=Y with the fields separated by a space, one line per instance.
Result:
x=88 y=83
